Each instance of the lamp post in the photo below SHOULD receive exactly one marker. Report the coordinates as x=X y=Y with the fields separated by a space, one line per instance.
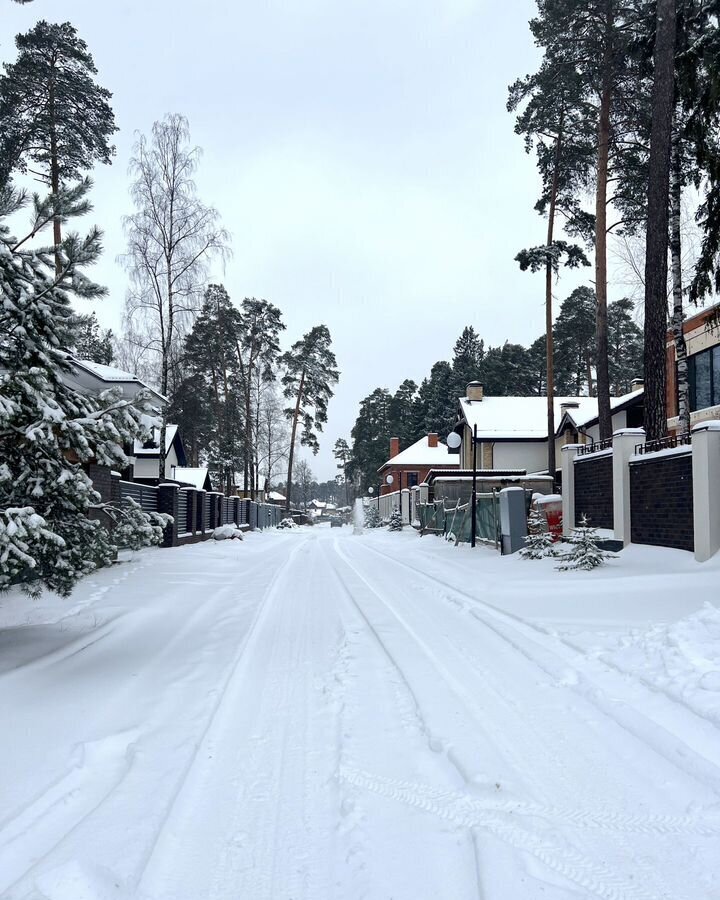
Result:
x=453 y=441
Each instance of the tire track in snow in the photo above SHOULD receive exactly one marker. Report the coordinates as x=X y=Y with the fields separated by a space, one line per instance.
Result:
x=558 y=857
x=553 y=662
x=472 y=811
x=247 y=820
x=406 y=698
x=30 y=834
x=591 y=876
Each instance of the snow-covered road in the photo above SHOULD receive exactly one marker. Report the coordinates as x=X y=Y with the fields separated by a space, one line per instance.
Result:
x=321 y=716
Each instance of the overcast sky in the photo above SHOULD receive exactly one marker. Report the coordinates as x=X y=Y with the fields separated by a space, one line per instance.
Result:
x=359 y=152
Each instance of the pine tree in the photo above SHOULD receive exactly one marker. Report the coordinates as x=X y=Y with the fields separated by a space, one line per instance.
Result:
x=574 y=339
x=625 y=346
x=310 y=374
x=372 y=516
x=90 y=341
x=48 y=430
x=213 y=374
x=396 y=522
x=53 y=115
x=539 y=542
x=584 y=552
x=371 y=437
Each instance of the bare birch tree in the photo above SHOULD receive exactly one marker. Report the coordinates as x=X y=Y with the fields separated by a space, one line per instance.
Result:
x=172 y=238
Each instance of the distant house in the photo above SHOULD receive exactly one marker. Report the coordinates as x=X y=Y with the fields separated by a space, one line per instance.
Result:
x=93 y=378
x=145 y=462
x=196 y=476
x=702 y=341
x=408 y=468
x=512 y=431
x=244 y=490
x=90 y=377
x=276 y=497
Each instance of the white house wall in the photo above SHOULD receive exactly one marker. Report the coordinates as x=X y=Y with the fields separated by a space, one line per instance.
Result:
x=146 y=468
x=528 y=455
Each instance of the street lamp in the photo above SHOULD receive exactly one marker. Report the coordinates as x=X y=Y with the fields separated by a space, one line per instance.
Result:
x=453 y=441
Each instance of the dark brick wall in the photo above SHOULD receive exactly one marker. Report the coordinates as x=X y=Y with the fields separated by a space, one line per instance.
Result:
x=661 y=502
x=594 y=491
x=102 y=481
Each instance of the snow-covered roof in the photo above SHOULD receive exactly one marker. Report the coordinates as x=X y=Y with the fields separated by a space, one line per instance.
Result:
x=107 y=373
x=170 y=432
x=275 y=495
x=525 y=418
x=195 y=476
x=93 y=376
x=422 y=454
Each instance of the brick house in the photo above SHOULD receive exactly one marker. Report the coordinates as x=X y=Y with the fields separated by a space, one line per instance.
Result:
x=512 y=431
x=410 y=467
x=702 y=339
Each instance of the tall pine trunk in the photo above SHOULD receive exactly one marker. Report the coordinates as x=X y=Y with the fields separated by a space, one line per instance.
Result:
x=657 y=222
x=601 y=325
x=54 y=174
x=549 y=344
x=683 y=384
x=293 y=434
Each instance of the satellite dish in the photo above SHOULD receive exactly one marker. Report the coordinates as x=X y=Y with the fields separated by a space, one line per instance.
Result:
x=454 y=440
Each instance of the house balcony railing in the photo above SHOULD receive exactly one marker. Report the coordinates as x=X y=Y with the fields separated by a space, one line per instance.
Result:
x=595 y=446
x=666 y=443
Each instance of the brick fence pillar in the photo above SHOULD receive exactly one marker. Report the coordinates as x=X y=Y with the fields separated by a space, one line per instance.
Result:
x=706 y=488
x=168 y=503
x=624 y=443
x=568 y=454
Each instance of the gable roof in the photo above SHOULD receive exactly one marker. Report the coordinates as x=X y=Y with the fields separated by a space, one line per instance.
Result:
x=422 y=454
x=525 y=418
x=97 y=377
x=171 y=432
x=196 y=476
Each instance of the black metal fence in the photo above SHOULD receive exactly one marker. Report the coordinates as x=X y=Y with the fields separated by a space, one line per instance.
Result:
x=196 y=513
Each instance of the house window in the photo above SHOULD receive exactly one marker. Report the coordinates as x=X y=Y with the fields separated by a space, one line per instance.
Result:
x=704 y=377
x=412 y=479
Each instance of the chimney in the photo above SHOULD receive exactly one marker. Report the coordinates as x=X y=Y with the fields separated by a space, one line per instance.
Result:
x=432 y=440
x=475 y=391
x=394 y=447
x=637 y=384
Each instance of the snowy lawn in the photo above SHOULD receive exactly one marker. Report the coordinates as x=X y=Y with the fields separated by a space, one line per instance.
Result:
x=311 y=714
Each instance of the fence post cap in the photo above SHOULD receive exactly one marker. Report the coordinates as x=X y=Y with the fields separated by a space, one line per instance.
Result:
x=710 y=425
x=567 y=447
x=635 y=432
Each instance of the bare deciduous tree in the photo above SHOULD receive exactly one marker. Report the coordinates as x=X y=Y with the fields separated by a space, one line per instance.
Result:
x=172 y=238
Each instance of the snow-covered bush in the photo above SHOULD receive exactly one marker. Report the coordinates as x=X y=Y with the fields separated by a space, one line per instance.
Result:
x=396 y=522
x=286 y=523
x=48 y=429
x=539 y=542
x=372 y=517
x=227 y=533
x=135 y=528
x=584 y=552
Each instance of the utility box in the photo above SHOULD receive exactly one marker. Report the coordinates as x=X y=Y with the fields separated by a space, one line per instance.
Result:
x=513 y=519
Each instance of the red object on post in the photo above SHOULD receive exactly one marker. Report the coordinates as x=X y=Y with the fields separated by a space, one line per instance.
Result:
x=551 y=507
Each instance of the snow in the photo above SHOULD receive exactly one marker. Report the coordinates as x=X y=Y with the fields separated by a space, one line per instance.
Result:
x=526 y=417
x=314 y=714
x=191 y=475
x=422 y=454
x=170 y=432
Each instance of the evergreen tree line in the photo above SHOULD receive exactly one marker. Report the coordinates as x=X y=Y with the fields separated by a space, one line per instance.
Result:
x=622 y=114
x=506 y=370
x=56 y=124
